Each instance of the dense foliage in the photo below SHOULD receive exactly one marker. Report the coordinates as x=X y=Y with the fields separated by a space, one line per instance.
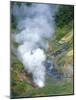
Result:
x=64 y=15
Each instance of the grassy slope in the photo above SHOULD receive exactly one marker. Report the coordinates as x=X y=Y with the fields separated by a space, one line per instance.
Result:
x=20 y=87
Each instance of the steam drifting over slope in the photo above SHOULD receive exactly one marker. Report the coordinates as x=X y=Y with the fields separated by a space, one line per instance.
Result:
x=35 y=24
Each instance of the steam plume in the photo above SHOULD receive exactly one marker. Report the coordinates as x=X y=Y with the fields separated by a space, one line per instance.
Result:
x=35 y=25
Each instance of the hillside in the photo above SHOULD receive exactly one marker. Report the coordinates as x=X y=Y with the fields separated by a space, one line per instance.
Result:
x=60 y=52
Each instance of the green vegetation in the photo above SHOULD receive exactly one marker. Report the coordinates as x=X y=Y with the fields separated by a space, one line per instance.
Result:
x=21 y=88
x=64 y=15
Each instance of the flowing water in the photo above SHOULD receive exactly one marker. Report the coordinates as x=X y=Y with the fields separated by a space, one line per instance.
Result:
x=52 y=71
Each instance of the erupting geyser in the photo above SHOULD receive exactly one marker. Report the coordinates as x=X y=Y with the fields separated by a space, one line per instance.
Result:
x=34 y=24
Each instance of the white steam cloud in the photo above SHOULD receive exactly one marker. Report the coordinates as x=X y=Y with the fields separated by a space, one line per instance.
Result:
x=35 y=24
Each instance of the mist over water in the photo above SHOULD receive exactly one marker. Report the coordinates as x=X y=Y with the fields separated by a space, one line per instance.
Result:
x=35 y=25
